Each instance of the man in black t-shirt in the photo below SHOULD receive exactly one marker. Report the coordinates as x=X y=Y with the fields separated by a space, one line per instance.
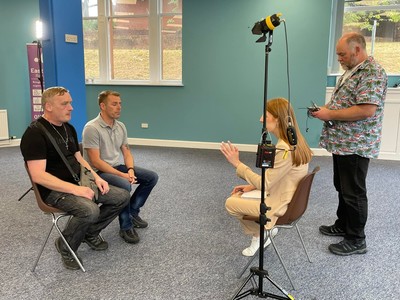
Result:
x=56 y=183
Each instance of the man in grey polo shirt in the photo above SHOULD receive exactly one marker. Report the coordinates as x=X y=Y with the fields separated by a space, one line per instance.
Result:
x=105 y=145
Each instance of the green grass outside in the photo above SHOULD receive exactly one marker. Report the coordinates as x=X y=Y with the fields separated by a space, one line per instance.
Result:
x=134 y=64
x=388 y=55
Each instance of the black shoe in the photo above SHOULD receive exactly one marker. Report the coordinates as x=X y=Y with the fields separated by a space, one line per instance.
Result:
x=67 y=258
x=332 y=230
x=138 y=222
x=129 y=236
x=96 y=243
x=347 y=247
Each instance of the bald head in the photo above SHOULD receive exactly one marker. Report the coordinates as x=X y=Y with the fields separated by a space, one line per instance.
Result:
x=354 y=39
x=351 y=50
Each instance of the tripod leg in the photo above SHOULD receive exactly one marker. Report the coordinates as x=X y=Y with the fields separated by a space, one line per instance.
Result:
x=258 y=290
x=240 y=295
x=288 y=296
x=30 y=189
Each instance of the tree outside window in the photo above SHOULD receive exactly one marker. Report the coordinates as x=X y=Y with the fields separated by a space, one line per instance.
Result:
x=379 y=22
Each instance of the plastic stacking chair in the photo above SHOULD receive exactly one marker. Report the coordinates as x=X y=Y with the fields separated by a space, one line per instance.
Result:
x=56 y=215
x=295 y=211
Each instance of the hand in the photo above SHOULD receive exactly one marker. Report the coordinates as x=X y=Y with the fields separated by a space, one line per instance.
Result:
x=103 y=186
x=132 y=178
x=84 y=191
x=231 y=152
x=243 y=189
x=323 y=114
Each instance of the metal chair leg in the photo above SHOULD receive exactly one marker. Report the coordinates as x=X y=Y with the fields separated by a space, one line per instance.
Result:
x=55 y=225
x=41 y=250
x=248 y=264
x=280 y=259
x=55 y=222
x=302 y=242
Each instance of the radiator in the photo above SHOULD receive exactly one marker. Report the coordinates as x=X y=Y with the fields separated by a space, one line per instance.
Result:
x=4 y=135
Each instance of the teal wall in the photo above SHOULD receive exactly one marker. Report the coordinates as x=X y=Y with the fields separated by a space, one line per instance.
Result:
x=223 y=72
x=17 y=27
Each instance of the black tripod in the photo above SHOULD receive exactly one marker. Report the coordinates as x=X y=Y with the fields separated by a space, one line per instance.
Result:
x=265 y=159
x=40 y=78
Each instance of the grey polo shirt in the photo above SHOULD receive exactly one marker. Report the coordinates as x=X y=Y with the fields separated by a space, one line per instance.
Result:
x=109 y=140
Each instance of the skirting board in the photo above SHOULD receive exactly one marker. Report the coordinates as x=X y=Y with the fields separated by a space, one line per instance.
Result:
x=203 y=145
x=242 y=147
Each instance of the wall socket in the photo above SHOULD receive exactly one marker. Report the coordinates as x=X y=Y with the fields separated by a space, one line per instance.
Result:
x=144 y=125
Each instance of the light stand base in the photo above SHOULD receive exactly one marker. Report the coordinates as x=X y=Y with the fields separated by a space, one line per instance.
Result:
x=257 y=290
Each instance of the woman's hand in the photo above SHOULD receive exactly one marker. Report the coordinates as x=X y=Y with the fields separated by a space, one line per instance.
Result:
x=243 y=189
x=231 y=152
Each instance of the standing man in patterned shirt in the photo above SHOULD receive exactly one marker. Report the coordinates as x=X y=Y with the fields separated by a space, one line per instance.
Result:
x=356 y=111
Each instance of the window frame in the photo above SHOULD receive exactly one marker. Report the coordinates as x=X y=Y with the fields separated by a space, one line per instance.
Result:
x=336 y=27
x=155 y=16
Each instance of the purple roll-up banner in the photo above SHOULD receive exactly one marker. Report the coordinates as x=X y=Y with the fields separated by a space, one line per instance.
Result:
x=34 y=80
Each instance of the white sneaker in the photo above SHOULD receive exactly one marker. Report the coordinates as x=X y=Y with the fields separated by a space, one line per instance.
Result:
x=255 y=244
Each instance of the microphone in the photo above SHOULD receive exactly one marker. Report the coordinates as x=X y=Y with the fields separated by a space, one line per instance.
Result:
x=267 y=25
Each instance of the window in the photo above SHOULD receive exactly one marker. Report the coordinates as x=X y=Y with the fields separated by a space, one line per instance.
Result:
x=133 y=41
x=378 y=21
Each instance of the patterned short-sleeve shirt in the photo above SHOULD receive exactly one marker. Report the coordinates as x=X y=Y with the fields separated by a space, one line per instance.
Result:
x=366 y=85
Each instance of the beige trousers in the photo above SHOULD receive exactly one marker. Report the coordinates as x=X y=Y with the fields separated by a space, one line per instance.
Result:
x=239 y=207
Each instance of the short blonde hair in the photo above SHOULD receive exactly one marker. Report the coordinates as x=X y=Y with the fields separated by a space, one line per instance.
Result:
x=49 y=93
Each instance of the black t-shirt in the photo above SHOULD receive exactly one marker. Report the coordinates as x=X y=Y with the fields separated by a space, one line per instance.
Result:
x=35 y=145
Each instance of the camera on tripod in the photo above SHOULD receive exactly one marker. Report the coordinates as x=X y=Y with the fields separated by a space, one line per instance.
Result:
x=265 y=155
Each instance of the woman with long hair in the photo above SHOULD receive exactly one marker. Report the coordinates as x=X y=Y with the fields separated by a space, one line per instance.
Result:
x=290 y=166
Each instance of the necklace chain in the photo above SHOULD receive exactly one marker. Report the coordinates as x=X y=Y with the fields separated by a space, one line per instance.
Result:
x=66 y=135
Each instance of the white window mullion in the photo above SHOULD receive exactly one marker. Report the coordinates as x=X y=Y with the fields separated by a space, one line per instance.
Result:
x=155 y=41
x=336 y=32
x=103 y=41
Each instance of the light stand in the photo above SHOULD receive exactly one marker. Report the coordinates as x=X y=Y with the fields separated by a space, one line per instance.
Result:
x=39 y=55
x=265 y=159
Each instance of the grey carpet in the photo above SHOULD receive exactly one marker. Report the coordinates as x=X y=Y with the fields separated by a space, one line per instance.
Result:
x=192 y=248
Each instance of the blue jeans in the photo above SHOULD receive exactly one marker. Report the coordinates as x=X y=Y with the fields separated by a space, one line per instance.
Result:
x=145 y=178
x=349 y=177
x=88 y=217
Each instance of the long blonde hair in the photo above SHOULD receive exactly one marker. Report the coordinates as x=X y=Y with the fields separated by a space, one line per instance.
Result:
x=278 y=107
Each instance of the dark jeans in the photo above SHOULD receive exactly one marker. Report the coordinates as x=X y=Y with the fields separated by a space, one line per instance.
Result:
x=88 y=217
x=145 y=178
x=349 y=177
